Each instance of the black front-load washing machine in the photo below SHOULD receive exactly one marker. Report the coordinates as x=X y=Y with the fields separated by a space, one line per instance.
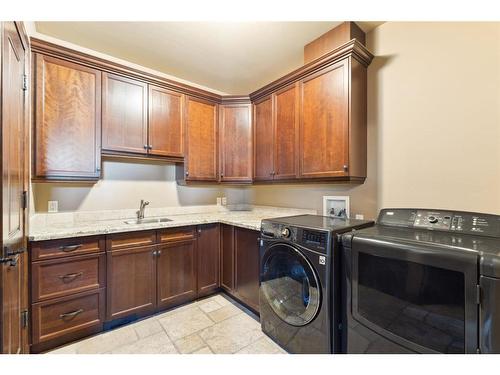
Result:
x=299 y=281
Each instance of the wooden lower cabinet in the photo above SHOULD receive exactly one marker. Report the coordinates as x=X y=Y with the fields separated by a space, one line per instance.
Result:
x=227 y=258
x=240 y=264
x=176 y=273
x=131 y=282
x=247 y=266
x=208 y=259
x=61 y=320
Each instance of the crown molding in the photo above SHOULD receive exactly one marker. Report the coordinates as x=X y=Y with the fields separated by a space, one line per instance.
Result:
x=353 y=49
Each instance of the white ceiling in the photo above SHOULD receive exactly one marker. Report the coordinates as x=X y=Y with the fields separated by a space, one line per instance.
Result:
x=232 y=57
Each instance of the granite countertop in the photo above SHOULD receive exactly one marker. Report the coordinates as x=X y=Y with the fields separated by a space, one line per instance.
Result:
x=65 y=225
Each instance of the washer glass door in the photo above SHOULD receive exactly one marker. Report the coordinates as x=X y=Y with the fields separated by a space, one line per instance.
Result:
x=290 y=285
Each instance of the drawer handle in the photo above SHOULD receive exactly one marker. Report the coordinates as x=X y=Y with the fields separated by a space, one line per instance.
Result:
x=70 y=276
x=71 y=315
x=70 y=248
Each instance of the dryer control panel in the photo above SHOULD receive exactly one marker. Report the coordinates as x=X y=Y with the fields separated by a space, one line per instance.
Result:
x=442 y=220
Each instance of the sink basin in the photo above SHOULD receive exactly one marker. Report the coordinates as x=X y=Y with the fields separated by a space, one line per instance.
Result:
x=148 y=220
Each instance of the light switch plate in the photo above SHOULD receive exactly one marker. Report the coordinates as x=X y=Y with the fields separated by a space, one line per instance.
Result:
x=360 y=217
x=224 y=201
x=52 y=206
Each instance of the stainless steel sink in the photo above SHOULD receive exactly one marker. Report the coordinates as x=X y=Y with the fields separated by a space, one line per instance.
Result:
x=151 y=220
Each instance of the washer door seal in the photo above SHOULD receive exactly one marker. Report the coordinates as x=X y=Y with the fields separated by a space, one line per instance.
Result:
x=290 y=285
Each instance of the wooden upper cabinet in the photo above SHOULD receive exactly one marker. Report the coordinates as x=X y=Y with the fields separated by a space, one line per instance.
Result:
x=263 y=139
x=165 y=122
x=67 y=120
x=235 y=139
x=201 y=140
x=324 y=123
x=124 y=114
x=286 y=128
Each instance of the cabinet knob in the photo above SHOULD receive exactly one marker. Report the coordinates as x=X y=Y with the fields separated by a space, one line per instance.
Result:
x=222 y=174
x=187 y=173
x=146 y=147
x=346 y=168
x=150 y=147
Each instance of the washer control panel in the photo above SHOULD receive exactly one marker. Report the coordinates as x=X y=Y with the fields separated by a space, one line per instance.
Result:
x=449 y=221
x=317 y=240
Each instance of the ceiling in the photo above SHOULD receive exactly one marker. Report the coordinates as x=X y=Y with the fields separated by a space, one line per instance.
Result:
x=231 y=57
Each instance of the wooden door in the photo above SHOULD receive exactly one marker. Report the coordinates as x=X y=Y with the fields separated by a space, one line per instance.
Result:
x=200 y=163
x=247 y=266
x=263 y=140
x=165 y=122
x=124 y=114
x=286 y=132
x=176 y=273
x=324 y=123
x=208 y=259
x=67 y=120
x=235 y=135
x=131 y=281
x=227 y=258
x=12 y=267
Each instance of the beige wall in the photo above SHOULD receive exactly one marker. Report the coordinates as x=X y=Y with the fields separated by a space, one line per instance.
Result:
x=433 y=130
x=433 y=123
x=123 y=186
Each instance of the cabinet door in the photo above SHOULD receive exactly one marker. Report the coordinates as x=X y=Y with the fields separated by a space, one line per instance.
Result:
x=263 y=140
x=324 y=123
x=208 y=259
x=201 y=140
x=67 y=120
x=131 y=279
x=165 y=122
x=286 y=128
x=13 y=152
x=176 y=273
x=124 y=114
x=235 y=134
x=247 y=266
x=227 y=257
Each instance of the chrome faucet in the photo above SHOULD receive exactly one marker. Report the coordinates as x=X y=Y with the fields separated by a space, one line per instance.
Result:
x=140 y=213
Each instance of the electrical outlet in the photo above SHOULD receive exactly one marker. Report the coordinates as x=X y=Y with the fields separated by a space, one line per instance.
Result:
x=52 y=206
x=224 y=201
x=360 y=217
x=219 y=201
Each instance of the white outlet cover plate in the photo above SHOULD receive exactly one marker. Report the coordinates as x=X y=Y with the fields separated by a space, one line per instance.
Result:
x=53 y=206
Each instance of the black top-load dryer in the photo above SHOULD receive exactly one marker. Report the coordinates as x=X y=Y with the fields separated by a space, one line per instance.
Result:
x=423 y=281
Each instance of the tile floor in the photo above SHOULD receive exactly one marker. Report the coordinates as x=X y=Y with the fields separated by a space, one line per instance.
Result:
x=212 y=325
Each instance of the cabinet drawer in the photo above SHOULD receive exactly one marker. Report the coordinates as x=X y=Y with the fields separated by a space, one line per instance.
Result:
x=176 y=234
x=60 y=277
x=67 y=315
x=66 y=247
x=130 y=239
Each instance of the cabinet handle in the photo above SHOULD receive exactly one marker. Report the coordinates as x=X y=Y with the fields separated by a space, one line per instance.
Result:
x=70 y=276
x=70 y=248
x=71 y=315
